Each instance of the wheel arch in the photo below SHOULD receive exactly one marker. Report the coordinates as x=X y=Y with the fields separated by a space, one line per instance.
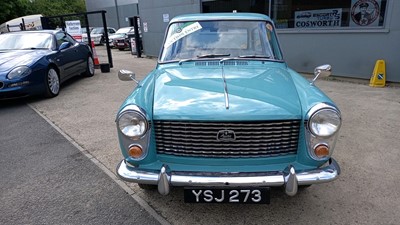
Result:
x=54 y=66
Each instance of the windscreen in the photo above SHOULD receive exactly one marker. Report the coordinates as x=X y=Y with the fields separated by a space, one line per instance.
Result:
x=15 y=41
x=124 y=30
x=202 y=39
x=98 y=30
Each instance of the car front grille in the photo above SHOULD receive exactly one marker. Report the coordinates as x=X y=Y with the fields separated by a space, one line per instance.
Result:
x=227 y=139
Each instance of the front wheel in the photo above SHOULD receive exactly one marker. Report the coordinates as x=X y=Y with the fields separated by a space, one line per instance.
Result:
x=147 y=186
x=52 y=83
x=89 y=67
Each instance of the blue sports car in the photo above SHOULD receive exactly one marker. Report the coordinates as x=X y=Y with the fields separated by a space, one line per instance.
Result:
x=37 y=62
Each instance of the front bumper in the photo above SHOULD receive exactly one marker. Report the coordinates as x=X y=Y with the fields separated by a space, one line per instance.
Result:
x=289 y=178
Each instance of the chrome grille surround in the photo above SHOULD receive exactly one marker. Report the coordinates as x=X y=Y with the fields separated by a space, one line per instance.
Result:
x=227 y=139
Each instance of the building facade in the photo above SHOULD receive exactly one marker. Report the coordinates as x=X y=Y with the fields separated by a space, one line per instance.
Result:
x=119 y=12
x=351 y=35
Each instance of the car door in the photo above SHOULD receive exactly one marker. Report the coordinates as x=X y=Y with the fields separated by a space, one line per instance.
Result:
x=69 y=59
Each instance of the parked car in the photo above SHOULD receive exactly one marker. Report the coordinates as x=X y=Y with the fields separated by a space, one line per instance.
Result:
x=123 y=43
x=98 y=35
x=37 y=62
x=121 y=33
x=223 y=115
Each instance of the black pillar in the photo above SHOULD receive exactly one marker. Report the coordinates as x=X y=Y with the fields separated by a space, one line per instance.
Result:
x=137 y=36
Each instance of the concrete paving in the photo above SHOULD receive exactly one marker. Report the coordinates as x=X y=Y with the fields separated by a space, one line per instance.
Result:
x=367 y=150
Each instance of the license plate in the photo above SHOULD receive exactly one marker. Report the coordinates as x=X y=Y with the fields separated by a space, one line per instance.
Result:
x=120 y=44
x=220 y=195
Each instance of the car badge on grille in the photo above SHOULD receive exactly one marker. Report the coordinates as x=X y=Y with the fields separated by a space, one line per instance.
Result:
x=226 y=135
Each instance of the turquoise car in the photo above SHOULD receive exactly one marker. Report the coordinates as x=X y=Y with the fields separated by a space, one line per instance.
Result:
x=224 y=117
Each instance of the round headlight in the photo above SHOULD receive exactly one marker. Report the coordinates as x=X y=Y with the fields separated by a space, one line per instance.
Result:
x=325 y=122
x=132 y=124
x=19 y=72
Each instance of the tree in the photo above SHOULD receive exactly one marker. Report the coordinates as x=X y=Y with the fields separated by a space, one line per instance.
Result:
x=18 y=8
x=13 y=9
x=57 y=7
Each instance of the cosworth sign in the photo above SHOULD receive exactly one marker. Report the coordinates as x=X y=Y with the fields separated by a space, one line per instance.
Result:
x=324 y=18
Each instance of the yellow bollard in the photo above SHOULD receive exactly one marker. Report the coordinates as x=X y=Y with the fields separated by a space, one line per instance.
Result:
x=378 y=78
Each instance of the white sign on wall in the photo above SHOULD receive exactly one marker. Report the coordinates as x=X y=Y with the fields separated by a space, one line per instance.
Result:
x=322 y=18
x=166 y=18
x=73 y=27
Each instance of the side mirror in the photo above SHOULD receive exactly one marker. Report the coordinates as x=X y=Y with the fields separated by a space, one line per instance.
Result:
x=126 y=75
x=322 y=71
x=64 y=45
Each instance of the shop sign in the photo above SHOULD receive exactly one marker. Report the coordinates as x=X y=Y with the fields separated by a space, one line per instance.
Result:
x=322 y=18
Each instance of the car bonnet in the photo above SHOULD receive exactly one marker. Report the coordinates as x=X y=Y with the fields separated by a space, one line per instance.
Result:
x=11 y=59
x=199 y=93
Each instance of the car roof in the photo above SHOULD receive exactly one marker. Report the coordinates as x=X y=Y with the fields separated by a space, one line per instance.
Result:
x=36 y=31
x=220 y=16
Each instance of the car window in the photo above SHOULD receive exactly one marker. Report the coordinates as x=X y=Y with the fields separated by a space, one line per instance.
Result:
x=124 y=30
x=25 y=40
x=64 y=37
x=244 y=39
x=111 y=31
x=97 y=30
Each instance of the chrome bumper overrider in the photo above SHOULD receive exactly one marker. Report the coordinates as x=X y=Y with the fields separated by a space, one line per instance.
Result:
x=290 y=178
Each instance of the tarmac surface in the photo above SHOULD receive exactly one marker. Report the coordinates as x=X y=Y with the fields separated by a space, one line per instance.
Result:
x=46 y=180
x=367 y=151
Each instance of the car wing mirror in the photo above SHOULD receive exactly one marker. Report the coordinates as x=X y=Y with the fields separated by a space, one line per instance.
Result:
x=64 y=45
x=127 y=75
x=322 y=71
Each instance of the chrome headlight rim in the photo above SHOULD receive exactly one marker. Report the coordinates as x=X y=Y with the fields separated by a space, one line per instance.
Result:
x=19 y=72
x=316 y=111
x=140 y=113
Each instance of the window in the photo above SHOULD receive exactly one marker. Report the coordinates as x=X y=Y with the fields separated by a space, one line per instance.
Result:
x=321 y=14
x=213 y=39
x=64 y=37
x=257 y=6
x=309 y=14
x=28 y=41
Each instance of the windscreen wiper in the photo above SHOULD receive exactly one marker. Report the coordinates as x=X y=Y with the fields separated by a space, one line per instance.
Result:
x=31 y=48
x=255 y=56
x=202 y=57
x=212 y=55
x=185 y=60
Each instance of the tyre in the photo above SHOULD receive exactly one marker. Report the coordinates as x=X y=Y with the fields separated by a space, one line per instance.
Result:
x=52 y=83
x=89 y=67
x=304 y=187
x=147 y=186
